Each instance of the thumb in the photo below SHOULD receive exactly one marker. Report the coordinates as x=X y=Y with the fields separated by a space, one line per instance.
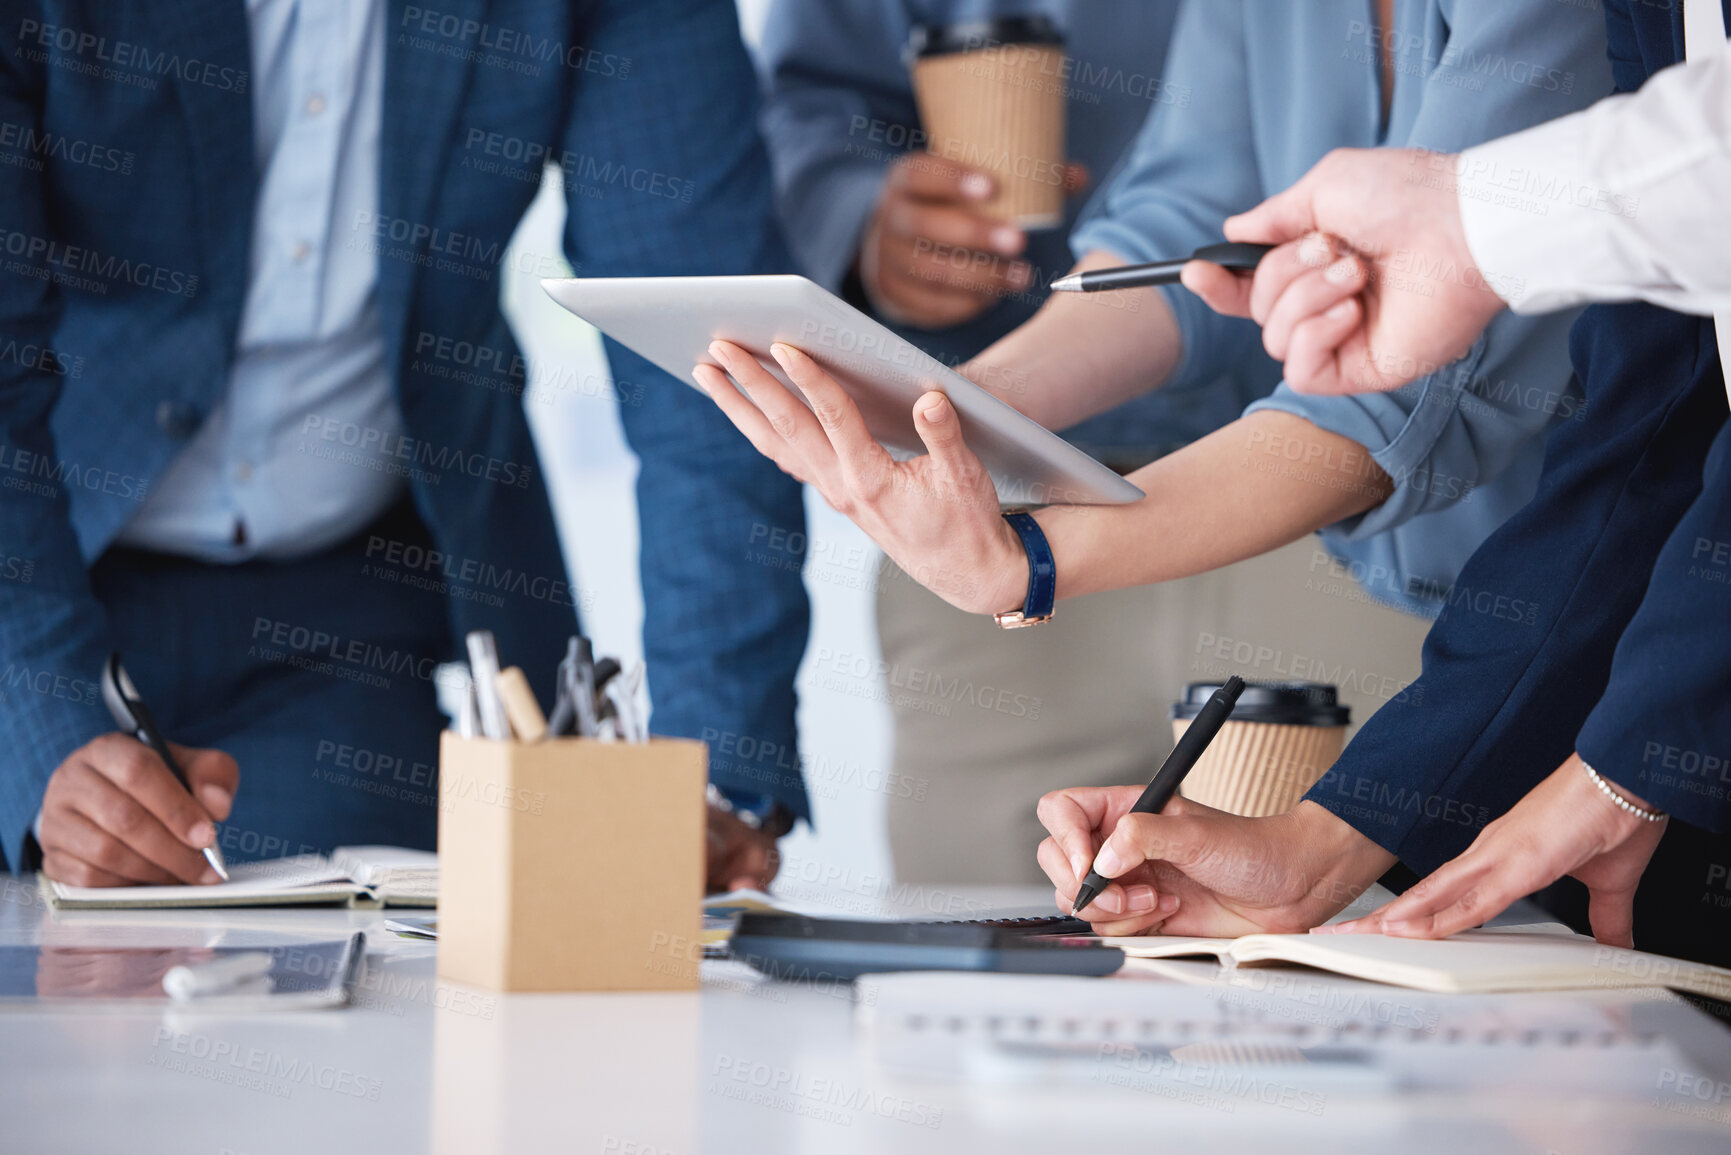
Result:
x=212 y=777
x=1140 y=838
x=940 y=428
x=1281 y=218
x=1611 y=914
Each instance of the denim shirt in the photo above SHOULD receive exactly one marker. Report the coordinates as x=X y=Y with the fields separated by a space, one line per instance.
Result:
x=1279 y=85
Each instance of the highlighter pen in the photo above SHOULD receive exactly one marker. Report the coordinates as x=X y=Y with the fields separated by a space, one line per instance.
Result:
x=1171 y=774
x=132 y=715
x=1237 y=257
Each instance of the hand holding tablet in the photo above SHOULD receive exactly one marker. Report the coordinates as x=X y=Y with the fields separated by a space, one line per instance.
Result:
x=935 y=515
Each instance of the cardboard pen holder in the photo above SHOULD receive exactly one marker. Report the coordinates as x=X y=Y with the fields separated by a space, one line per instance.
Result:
x=571 y=864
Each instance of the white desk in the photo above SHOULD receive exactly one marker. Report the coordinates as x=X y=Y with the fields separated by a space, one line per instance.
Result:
x=424 y=1066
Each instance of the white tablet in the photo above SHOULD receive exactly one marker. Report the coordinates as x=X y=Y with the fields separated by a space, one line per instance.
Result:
x=671 y=321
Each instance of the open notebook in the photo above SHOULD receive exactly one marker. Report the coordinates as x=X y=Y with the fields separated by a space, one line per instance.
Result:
x=1539 y=957
x=352 y=875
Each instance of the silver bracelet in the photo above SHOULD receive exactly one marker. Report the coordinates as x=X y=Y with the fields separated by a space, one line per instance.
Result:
x=1621 y=802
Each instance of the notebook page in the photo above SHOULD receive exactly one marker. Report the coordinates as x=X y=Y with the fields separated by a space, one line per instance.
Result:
x=398 y=875
x=1479 y=961
x=1171 y=946
x=246 y=880
x=371 y=865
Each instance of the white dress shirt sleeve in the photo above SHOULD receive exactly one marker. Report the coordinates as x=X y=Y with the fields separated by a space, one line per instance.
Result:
x=1623 y=201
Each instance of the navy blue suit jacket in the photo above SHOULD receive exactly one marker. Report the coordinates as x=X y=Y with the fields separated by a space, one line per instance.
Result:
x=122 y=278
x=1502 y=700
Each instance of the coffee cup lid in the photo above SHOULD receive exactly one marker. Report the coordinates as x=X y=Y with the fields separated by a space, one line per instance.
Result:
x=1280 y=703
x=944 y=39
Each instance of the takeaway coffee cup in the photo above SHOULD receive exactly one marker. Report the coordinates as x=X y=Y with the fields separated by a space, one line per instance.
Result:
x=992 y=97
x=1282 y=737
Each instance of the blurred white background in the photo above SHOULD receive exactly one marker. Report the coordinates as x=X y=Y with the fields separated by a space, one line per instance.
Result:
x=591 y=474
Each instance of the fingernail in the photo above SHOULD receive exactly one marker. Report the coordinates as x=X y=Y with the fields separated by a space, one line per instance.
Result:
x=977 y=186
x=719 y=352
x=1108 y=863
x=781 y=353
x=1341 y=311
x=1079 y=864
x=1110 y=901
x=201 y=835
x=208 y=877
x=935 y=409
x=1398 y=926
x=1315 y=249
x=1139 y=898
x=1168 y=903
x=697 y=380
x=1007 y=240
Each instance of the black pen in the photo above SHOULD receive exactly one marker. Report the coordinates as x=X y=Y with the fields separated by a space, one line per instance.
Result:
x=132 y=715
x=1237 y=257
x=1171 y=774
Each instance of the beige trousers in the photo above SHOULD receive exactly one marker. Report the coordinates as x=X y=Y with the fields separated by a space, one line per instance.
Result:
x=988 y=720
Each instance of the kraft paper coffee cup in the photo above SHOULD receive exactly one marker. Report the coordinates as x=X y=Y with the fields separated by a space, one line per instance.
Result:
x=992 y=97
x=1282 y=737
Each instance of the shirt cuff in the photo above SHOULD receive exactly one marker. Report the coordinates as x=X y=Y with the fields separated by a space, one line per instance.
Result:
x=1535 y=216
x=1399 y=432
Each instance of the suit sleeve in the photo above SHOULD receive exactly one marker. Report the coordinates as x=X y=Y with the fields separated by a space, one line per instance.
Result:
x=665 y=175
x=1662 y=728
x=838 y=111
x=52 y=629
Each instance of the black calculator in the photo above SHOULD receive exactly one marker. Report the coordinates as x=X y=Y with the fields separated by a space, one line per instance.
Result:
x=802 y=949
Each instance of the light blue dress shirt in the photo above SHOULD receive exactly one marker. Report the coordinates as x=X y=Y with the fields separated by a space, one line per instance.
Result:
x=258 y=479
x=1278 y=85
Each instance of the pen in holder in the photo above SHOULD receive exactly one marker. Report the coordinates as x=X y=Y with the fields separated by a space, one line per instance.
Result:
x=571 y=864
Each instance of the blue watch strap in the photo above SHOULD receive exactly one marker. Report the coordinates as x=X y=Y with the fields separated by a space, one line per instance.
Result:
x=1042 y=573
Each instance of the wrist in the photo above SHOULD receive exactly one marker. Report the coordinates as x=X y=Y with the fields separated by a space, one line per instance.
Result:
x=761 y=813
x=867 y=271
x=1631 y=809
x=1039 y=569
x=1006 y=589
x=1497 y=292
x=1351 y=860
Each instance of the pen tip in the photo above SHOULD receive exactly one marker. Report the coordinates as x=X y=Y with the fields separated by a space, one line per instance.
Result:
x=1071 y=284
